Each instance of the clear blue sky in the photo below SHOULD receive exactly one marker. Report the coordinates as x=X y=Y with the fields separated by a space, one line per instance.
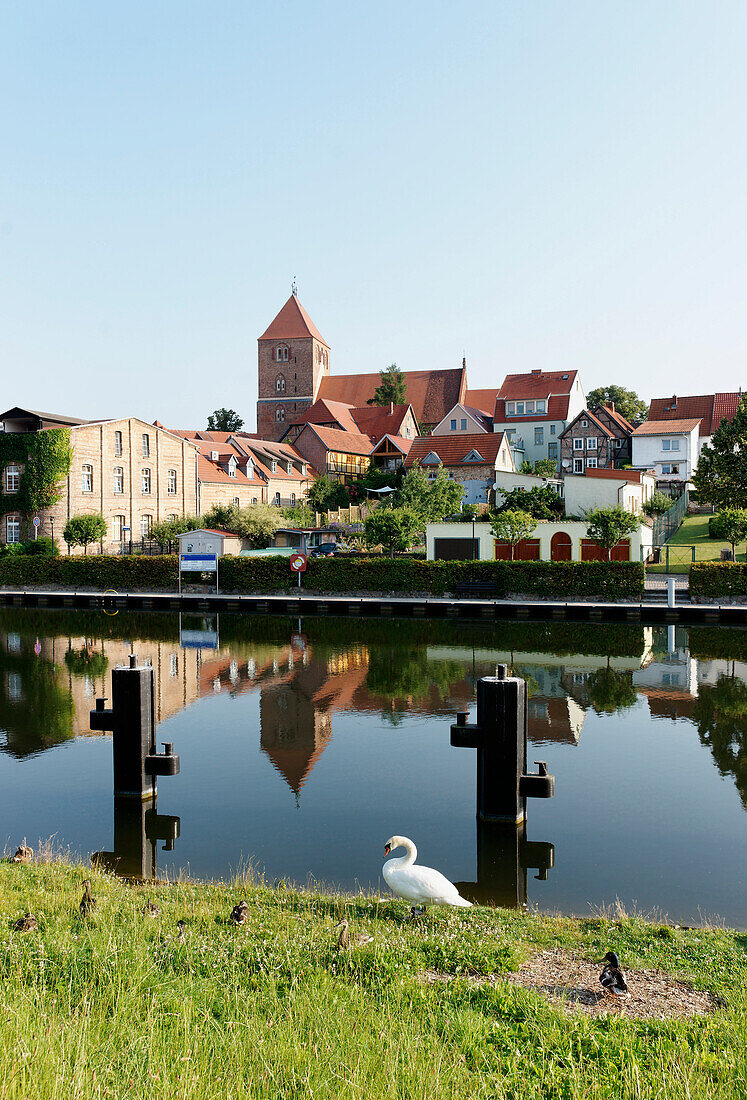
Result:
x=532 y=184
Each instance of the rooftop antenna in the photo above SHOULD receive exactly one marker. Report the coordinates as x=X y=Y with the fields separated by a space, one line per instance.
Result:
x=294 y=288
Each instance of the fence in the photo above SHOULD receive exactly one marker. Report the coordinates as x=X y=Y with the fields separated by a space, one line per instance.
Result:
x=666 y=524
x=131 y=546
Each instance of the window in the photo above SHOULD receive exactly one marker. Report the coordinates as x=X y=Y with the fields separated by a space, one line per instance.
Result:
x=529 y=407
x=578 y=444
x=453 y=425
x=591 y=443
x=12 y=478
x=552 y=429
x=118 y=443
x=293 y=500
x=519 y=408
x=232 y=467
x=552 y=450
x=304 y=469
x=250 y=469
x=87 y=480
x=146 y=445
x=670 y=468
x=280 y=384
x=273 y=466
x=15 y=687
x=118 y=479
x=591 y=462
x=235 y=502
x=280 y=415
x=510 y=408
x=14 y=643
x=463 y=424
x=282 y=355
x=277 y=499
x=118 y=528
x=289 y=467
x=145 y=481
x=171 y=482
x=146 y=522
x=539 y=436
x=13 y=529
x=578 y=465
x=541 y=407
x=666 y=444
x=173 y=516
x=675 y=444
x=618 y=443
x=254 y=500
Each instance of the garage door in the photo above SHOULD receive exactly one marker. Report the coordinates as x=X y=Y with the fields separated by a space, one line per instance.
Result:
x=526 y=550
x=456 y=549
x=592 y=551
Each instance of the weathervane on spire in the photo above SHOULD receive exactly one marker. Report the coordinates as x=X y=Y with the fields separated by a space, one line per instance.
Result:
x=294 y=288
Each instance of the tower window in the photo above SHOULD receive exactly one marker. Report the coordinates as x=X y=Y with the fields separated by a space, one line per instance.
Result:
x=280 y=415
x=281 y=355
x=280 y=384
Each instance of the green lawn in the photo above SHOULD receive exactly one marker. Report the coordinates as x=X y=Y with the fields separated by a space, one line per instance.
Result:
x=694 y=532
x=113 y=1006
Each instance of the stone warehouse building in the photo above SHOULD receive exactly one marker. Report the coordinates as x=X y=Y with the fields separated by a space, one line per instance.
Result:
x=131 y=472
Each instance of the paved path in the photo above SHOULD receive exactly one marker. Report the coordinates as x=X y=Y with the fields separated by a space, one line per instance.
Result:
x=657 y=582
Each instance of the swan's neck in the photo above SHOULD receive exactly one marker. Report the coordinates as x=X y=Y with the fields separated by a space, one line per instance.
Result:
x=411 y=854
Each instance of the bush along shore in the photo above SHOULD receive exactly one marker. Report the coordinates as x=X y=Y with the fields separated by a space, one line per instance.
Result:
x=548 y=580
x=117 y=1002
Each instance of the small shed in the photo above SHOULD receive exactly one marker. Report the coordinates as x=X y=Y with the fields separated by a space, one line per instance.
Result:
x=210 y=540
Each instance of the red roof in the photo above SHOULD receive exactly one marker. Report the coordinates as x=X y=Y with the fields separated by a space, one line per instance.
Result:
x=710 y=409
x=453 y=449
x=484 y=400
x=292 y=323
x=554 y=386
x=378 y=420
x=617 y=475
x=399 y=442
x=328 y=412
x=667 y=427
x=432 y=393
x=618 y=418
x=344 y=442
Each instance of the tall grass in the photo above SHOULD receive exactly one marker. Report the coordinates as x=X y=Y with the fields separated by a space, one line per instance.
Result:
x=113 y=1006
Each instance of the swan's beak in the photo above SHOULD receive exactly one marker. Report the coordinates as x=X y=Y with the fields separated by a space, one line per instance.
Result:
x=387 y=849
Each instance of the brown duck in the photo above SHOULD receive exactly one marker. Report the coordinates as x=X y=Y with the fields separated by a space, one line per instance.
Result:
x=23 y=854
x=150 y=909
x=87 y=903
x=240 y=913
x=346 y=939
x=29 y=923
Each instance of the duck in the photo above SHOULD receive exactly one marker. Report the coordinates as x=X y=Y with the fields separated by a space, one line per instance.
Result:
x=181 y=925
x=23 y=854
x=29 y=923
x=422 y=886
x=240 y=913
x=612 y=977
x=345 y=939
x=87 y=903
x=150 y=909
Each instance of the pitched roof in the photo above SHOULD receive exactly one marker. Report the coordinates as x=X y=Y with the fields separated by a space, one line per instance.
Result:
x=552 y=386
x=379 y=420
x=484 y=400
x=53 y=419
x=613 y=414
x=430 y=392
x=399 y=442
x=710 y=409
x=616 y=475
x=344 y=442
x=586 y=415
x=452 y=450
x=292 y=323
x=667 y=427
x=328 y=412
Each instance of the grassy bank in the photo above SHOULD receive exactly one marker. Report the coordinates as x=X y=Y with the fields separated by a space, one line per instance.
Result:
x=113 y=1006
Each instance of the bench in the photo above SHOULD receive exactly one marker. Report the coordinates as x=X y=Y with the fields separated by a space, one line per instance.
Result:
x=475 y=588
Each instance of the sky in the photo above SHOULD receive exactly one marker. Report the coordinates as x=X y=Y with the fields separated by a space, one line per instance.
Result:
x=530 y=185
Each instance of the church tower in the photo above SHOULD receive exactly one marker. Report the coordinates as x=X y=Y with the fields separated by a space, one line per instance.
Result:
x=293 y=358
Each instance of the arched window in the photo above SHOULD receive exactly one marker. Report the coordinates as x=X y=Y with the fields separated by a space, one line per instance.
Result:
x=282 y=355
x=280 y=415
x=280 y=384
x=118 y=532
x=119 y=479
x=146 y=522
x=12 y=478
x=171 y=482
x=145 y=480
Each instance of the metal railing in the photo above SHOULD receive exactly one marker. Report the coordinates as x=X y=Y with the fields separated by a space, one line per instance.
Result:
x=668 y=522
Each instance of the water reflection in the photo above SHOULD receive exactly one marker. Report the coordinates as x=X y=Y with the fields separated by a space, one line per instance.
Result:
x=383 y=694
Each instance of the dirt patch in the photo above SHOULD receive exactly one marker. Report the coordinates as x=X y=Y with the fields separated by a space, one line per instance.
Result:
x=574 y=983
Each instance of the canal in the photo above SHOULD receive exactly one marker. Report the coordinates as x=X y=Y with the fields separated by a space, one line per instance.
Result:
x=305 y=744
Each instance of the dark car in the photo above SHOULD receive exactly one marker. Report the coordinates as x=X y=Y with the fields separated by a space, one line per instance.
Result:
x=324 y=550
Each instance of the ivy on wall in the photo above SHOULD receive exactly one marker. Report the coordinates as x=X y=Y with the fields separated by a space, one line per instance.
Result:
x=45 y=459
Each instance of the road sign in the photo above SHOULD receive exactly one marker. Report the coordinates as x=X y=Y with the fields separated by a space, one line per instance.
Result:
x=298 y=563
x=37 y=521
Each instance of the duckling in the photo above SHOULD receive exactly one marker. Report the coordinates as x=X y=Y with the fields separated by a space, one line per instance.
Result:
x=29 y=923
x=87 y=903
x=181 y=925
x=612 y=977
x=240 y=913
x=24 y=854
x=150 y=909
x=345 y=939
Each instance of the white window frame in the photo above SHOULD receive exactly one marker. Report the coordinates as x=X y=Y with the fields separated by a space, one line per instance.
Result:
x=280 y=384
x=171 y=482
x=146 y=526
x=578 y=465
x=584 y=423
x=12 y=528
x=86 y=479
x=591 y=462
x=666 y=444
x=273 y=467
x=510 y=408
x=578 y=443
x=117 y=443
x=519 y=408
x=289 y=467
x=236 y=502
x=293 y=500
x=280 y=415
x=118 y=526
x=276 y=501
x=282 y=355
x=118 y=480
x=146 y=445
x=591 y=443
x=541 y=407
x=145 y=481
x=675 y=444
x=12 y=478
x=529 y=407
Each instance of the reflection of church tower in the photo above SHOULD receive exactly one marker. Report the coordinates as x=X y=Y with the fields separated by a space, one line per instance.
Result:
x=294 y=733
x=293 y=358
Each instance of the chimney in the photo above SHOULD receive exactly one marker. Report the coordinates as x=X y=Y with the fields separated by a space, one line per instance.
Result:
x=612 y=405
x=537 y=371
x=464 y=362
x=674 y=401
x=391 y=408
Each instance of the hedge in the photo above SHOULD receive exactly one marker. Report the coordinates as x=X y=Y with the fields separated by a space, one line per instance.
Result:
x=715 y=579
x=550 y=580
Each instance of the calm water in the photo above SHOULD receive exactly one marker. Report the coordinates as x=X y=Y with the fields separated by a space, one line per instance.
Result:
x=305 y=745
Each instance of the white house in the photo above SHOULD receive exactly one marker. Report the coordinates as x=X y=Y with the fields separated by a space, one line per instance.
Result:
x=561 y=541
x=533 y=409
x=670 y=449
x=630 y=489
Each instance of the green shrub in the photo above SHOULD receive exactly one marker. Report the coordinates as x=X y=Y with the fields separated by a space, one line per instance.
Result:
x=716 y=579
x=43 y=545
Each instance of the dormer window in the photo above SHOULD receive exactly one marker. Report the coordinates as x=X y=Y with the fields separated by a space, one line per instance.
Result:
x=304 y=469
x=473 y=456
x=273 y=467
x=281 y=354
x=250 y=470
x=431 y=459
x=541 y=407
x=214 y=456
x=289 y=467
x=232 y=467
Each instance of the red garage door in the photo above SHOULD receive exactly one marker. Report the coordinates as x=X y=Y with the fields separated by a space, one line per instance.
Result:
x=526 y=550
x=591 y=551
x=560 y=547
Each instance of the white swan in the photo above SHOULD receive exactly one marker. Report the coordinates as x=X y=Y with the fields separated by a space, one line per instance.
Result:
x=421 y=885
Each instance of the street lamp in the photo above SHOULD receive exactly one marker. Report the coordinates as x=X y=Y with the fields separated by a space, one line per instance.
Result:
x=51 y=524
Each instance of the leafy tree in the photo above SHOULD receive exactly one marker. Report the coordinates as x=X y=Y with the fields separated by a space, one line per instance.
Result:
x=721 y=476
x=606 y=526
x=546 y=467
x=429 y=500
x=222 y=516
x=257 y=522
x=526 y=467
x=393 y=387
x=542 y=503
x=301 y=515
x=610 y=690
x=224 y=420
x=732 y=526
x=721 y=715
x=512 y=526
x=167 y=530
x=392 y=528
x=657 y=504
x=445 y=496
x=626 y=402
x=82 y=530
x=324 y=494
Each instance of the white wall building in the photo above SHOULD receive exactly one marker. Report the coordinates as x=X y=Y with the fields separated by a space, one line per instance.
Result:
x=536 y=408
x=670 y=449
x=554 y=542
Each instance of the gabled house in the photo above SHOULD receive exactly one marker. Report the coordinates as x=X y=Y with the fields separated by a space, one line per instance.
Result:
x=388 y=430
x=598 y=439
x=473 y=460
x=464 y=420
x=670 y=449
x=343 y=456
x=535 y=408
x=709 y=409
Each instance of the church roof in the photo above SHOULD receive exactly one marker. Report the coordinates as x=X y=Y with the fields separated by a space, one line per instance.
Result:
x=292 y=323
x=430 y=392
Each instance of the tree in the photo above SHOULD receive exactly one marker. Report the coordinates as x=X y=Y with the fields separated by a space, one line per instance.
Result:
x=610 y=690
x=224 y=420
x=430 y=500
x=546 y=467
x=324 y=494
x=721 y=476
x=167 y=530
x=720 y=712
x=81 y=530
x=392 y=387
x=300 y=515
x=512 y=526
x=257 y=522
x=657 y=504
x=606 y=526
x=732 y=526
x=541 y=503
x=626 y=402
x=392 y=528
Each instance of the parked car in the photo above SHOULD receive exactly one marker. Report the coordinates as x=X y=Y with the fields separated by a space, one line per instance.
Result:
x=324 y=550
